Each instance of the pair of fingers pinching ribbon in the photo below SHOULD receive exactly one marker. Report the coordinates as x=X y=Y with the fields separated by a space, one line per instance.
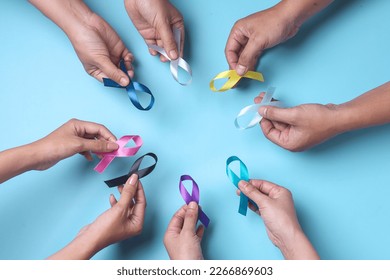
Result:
x=122 y=151
x=135 y=169
x=132 y=89
x=244 y=175
x=194 y=196
x=175 y=64
x=233 y=79
x=253 y=111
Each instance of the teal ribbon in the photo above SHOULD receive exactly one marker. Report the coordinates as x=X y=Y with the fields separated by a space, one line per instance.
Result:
x=244 y=175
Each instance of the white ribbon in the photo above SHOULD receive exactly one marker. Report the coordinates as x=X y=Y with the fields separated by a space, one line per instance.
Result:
x=254 y=110
x=175 y=64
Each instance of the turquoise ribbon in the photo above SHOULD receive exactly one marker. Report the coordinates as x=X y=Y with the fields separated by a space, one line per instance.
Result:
x=244 y=175
x=132 y=89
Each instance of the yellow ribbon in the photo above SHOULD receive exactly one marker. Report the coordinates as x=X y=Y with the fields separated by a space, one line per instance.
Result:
x=234 y=78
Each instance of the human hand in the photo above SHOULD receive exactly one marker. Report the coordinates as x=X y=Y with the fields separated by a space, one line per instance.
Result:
x=73 y=137
x=154 y=20
x=182 y=239
x=123 y=220
x=276 y=208
x=251 y=35
x=301 y=127
x=100 y=50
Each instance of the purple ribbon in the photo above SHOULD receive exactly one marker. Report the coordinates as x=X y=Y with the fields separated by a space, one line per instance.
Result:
x=193 y=197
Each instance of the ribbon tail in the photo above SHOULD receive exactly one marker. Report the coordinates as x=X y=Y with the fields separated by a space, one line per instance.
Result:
x=203 y=218
x=243 y=204
x=102 y=165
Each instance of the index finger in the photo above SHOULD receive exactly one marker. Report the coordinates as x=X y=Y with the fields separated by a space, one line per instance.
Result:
x=177 y=220
x=234 y=46
x=85 y=128
x=263 y=186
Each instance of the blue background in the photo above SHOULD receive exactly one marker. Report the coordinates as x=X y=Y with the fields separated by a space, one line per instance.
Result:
x=341 y=188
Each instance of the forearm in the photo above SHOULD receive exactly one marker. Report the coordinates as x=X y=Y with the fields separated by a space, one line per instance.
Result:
x=298 y=11
x=369 y=109
x=67 y=14
x=298 y=247
x=83 y=247
x=18 y=160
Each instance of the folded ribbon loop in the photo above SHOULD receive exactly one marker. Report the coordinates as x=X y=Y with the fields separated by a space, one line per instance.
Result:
x=122 y=151
x=132 y=89
x=193 y=197
x=244 y=175
x=253 y=110
x=234 y=78
x=134 y=170
x=175 y=64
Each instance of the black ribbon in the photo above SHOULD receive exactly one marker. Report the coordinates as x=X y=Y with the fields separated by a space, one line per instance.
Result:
x=134 y=170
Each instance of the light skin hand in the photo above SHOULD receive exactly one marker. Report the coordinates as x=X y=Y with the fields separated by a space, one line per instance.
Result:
x=73 y=137
x=97 y=45
x=182 y=238
x=255 y=33
x=298 y=128
x=304 y=126
x=123 y=220
x=276 y=208
x=154 y=20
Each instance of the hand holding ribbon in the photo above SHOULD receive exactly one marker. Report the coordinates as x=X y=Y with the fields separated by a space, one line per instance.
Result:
x=254 y=110
x=134 y=170
x=193 y=197
x=244 y=175
x=234 y=78
x=175 y=64
x=132 y=89
x=122 y=151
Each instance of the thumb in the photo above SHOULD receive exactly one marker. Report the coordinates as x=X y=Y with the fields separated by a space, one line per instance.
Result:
x=113 y=72
x=284 y=115
x=98 y=146
x=253 y=193
x=168 y=40
x=129 y=190
x=191 y=217
x=248 y=57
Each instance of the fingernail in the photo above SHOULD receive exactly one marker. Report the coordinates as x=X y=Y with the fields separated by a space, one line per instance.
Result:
x=241 y=69
x=123 y=81
x=133 y=179
x=242 y=184
x=173 y=54
x=192 y=205
x=263 y=111
x=112 y=146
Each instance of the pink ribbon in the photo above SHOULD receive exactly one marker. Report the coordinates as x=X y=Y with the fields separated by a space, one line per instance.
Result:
x=122 y=151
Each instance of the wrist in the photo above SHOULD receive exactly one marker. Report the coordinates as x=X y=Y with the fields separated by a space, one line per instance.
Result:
x=298 y=247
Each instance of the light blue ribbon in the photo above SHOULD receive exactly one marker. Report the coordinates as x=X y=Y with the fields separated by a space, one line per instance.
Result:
x=244 y=175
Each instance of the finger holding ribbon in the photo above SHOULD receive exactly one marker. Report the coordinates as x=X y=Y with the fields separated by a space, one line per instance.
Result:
x=122 y=151
x=132 y=88
x=244 y=175
x=251 y=112
x=134 y=169
x=175 y=64
x=194 y=196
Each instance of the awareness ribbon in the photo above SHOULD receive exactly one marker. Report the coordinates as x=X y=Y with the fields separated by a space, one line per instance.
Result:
x=244 y=175
x=234 y=78
x=193 y=197
x=175 y=64
x=254 y=110
x=132 y=89
x=122 y=151
x=134 y=170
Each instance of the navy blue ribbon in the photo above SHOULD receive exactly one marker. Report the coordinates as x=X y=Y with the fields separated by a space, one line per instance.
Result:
x=131 y=89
